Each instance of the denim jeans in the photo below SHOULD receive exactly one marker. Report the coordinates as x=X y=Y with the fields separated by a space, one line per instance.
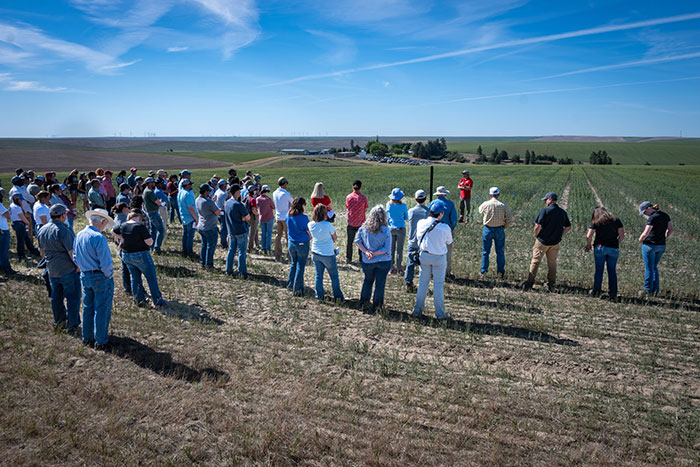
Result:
x=23 y=239
x=139 y=263
x=174 y=209
x=126 y=276
x=410 y=265
x=240 y=243
x=206 y=252
x=98 y=292
x=266 y=235
x=651 y=254
x=298 y=252
x=5 y=250
x=375 y=274
x=398 y=237
x=188 y=238
x=329 y=263
x=223 y=231
x=497 y=235
x=435 y=266
x=605 y=256
x=157 y=230
x=66 y=287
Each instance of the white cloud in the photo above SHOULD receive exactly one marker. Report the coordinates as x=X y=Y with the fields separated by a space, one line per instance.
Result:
x=31 y=86
x=341 y=48
x=387 y=84
x=177 y=49
x=119 y=66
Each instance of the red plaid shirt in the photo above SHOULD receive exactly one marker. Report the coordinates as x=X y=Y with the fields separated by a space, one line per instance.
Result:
x=356 y=204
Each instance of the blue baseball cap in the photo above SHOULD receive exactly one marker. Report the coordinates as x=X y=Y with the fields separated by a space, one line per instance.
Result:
x=222 y=182
x=185 y=172
x=149 y=180
x=437 y=208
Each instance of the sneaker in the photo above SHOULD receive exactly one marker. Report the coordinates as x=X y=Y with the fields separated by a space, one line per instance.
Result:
x=89 y=343
x=526 y=285
x=594 y=293
x=106 y=347
x=160 y=304
x=444 y=318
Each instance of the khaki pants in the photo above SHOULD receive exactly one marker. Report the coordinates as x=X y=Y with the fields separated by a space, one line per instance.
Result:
x=448 y=271
x=253 y=239
x=539 y=251
x=281 y=231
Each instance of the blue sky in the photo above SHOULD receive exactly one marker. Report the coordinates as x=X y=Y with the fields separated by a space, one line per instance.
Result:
x=349 y=68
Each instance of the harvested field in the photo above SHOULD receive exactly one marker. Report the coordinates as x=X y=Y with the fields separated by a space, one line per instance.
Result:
x=68 y=159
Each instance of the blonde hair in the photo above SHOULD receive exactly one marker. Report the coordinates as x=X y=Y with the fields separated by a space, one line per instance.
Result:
x=376 y=219
x=318 y=192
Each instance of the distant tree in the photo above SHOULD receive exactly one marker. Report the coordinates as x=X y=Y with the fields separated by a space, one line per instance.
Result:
x=516 y=158
x=480 y=159
x=494 y=153
x=378 y=148
x=479 y=151
x=503 y=155
x=333 y=150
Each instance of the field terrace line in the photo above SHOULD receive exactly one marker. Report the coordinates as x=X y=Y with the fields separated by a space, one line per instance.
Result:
x=595 y=192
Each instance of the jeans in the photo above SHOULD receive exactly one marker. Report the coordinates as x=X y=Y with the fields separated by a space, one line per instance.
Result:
x=223 y=234
x=98 y=292
x=237 y=242
x=351 y=231
x=322 y=263
x=139 y=263
x=539 y=251
x=298 y=252
x=435 y=266
x=174 y=209
x=398 y=237
x=23 y=239
x=410 y=265
x=651 y=254
x=66 y=287
x=602 y=256
x=375 y=274
x=188 y=238
x=157 y=230
x=266 y=235
x=497 y=235
x=126 y=277
x=206 y=252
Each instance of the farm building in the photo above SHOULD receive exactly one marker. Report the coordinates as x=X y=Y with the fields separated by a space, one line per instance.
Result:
x=294 y=152
x=345 y=154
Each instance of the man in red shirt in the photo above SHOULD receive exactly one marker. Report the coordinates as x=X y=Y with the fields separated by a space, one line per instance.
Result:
x=465 y=195
x=356 y=204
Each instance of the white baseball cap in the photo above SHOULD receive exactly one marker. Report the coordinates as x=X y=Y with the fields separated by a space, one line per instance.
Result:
x=494 y=190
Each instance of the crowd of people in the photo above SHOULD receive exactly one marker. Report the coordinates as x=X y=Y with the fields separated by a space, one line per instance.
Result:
x=228 y=211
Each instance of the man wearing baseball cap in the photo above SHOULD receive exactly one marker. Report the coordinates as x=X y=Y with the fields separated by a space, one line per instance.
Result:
x=56 y=245
x=131 y=179
x=551 y=224
x=283 y=201
x=497 y=217
x=449 y=218
x=184 y=175
x=415 y=214
x=465 y=195
x=188 y=215
x=151 y=204
x=219 y=198
x=93 y=257
x=94 y=196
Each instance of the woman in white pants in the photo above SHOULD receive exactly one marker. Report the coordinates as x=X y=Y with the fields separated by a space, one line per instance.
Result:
x=433 y=238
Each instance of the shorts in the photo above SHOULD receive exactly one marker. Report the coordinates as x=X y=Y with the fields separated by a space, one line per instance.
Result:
x=72 y=192
x=82 y=195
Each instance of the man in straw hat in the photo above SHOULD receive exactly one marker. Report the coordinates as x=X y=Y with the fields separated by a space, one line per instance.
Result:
x=92 y=255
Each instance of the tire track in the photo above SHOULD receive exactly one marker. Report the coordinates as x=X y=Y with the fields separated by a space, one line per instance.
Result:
x=564 y=201
x=595 y=192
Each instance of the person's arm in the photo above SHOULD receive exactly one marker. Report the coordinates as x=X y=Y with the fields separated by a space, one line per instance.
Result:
x=218 y=212
x=24 y=219
x=509 y=218
x=148 y=241
x=537 y=229
x=105 y=257
x=43 y=219
x=6 y=214
x=567 y=225
x=566 y=230
x=645 y=234
x=589 y=239
x=669 y=229
x=193 y=212
x=334 y=237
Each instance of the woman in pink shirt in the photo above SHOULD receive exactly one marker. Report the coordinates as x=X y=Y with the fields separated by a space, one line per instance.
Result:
x=266 y=213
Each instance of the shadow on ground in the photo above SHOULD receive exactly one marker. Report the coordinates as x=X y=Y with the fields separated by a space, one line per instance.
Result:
x=189 y=313
x=160 y=362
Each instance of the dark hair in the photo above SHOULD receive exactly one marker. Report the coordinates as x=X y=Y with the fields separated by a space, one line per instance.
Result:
x=170 y=178
x=91 y=174
x=233 y=189
x=434 y=214
x=119 y=207
x=320 y=213
x=136 y=202
x=297 y=206
x=357 y=183
x=121 y=173
x=601 y=216
x=204 y=189
x=42 y=195
x=54 y=188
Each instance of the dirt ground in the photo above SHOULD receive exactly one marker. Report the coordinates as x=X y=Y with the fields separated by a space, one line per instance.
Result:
x=67 y=159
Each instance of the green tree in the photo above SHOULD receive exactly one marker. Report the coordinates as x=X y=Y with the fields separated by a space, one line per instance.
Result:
x=479 y=151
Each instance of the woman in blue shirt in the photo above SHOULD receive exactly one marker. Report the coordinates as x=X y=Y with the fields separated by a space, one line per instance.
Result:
x=298 y=238
x=374 y=241
x=398 y=215
x=323 y=252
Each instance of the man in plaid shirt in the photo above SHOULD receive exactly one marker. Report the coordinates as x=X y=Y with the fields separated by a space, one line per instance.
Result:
x=497 y=216
x=356 y=204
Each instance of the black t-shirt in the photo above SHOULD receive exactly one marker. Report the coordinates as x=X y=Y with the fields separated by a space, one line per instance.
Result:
x=606 y=234
x=659 y=224
x=134 y=237
x=553 y=220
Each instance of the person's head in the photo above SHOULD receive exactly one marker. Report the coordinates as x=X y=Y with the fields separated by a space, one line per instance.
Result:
x=162 y=174
x=124 y=188
x=17 y=199
x=253 y=191
x=120 y=208
x=187 y=185
x=465 y=173
x=204 y=189
x=17 y=180
x=95 y=183
x=297 y=206
x=100 y=171
x=58 y=212
x=235 y=191
x=139 y=181
x=122 y=173
x=99 y=219
x=19 y=171
x=282 y=182
x=647 y=208
x=396 y=195
x=264 y=190
x=133 y=170
x=108 y=174
x=135 y=215
x=83 y=176
x=441 y=191
x=152 y=173
x=136 y=202
x=39 y=181
x=320 y=213
x=257 y=178
x=232 y=172
x=438 y=210
x=150 y=183
x=185 y=174
x=376 y=219
x=43 y=197
x=357 y=185
x=420 y=196
x=601 y=216
x=550 y=198
x=172 y=178
x=494 y=192
x=318 y=192
x=160 y=183
x=91 y=176
x=55 y=189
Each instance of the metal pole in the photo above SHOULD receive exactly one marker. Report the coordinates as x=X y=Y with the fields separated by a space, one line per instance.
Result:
x=431 y=183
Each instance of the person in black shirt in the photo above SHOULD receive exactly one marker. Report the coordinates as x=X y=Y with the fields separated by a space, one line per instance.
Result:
x=609 y=233
x=653 y=240
x=551 y=224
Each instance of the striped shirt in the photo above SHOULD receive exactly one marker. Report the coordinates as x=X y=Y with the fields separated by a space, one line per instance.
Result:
x=496 y=213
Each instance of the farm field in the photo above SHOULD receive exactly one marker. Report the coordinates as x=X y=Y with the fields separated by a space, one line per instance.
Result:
x=240 y=372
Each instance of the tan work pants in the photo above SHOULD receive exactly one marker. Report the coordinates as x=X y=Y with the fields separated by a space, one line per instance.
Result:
x=539 y=251
x=281 y=231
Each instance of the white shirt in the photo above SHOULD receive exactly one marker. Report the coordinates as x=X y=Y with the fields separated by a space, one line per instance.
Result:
x=436 y=241
x=220 y=200
x=26 y=204
x=15 y=211
x=283 y=201
x=3 y=219
x=41 y=210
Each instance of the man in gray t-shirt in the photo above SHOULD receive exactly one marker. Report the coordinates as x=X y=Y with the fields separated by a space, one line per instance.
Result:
x=419 y=212
x=207 y=225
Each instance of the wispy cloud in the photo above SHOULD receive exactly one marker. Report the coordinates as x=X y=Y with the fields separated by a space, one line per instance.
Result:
x=341 y=48
x=634 y=105
x=12 y=84
x=118 y=66
x=500 y=45
x=617 y=66
x=177 y=49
